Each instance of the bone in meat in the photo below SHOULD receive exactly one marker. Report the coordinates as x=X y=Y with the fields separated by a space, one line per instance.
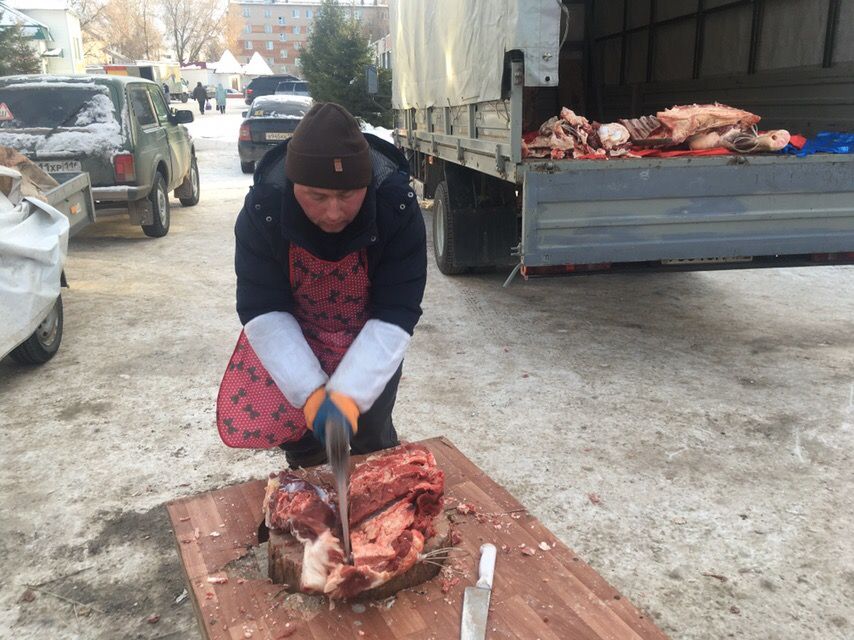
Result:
x=613 y=135
x=574 y=120
x=738 y=140
x=686 y=121
x=641 y=128
x=394 y=499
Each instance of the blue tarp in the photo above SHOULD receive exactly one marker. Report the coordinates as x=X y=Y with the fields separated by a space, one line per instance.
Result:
x=824 y=142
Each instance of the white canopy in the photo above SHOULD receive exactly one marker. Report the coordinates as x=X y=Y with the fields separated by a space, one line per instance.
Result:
x=257 y=67
x=227 y=64
x=451 y=52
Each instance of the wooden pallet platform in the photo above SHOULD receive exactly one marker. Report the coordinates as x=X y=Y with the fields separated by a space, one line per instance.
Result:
x=548 y=594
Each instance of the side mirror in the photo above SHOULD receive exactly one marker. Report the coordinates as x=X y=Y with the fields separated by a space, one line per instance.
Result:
x=183 y=116
x=244 y=114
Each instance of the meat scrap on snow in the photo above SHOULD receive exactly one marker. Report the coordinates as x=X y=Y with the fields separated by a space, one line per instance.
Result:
x=394 y=499
x=692 y=127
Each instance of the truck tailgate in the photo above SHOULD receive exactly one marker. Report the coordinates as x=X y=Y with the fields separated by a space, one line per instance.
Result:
x=73 y=197
x=583 y=212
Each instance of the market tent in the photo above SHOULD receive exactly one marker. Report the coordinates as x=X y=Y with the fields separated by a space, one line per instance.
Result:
x=228 y=64
x=257 y=66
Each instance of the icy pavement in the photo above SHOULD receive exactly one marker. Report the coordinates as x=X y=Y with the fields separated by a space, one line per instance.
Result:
x=688 y=434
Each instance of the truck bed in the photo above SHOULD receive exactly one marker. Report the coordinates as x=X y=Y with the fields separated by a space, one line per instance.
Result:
x=722 y=207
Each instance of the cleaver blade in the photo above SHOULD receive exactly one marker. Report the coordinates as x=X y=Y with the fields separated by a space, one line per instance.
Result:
x=338 y=452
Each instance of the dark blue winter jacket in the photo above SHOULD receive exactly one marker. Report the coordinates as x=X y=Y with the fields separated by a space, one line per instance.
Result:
x=389 y=226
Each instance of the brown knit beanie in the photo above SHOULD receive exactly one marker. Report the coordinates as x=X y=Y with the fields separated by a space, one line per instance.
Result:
x=328 y=150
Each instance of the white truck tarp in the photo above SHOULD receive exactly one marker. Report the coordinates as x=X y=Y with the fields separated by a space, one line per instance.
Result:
x=451 y=52
x=33 y=247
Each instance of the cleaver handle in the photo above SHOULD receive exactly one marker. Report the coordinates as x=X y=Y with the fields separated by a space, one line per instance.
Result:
x=486 y=570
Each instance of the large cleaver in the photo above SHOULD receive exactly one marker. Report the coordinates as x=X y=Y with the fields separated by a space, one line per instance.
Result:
x=476 y=598
x=338 y=452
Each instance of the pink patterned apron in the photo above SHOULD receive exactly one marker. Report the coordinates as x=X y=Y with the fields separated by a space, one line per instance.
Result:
x=331 y=308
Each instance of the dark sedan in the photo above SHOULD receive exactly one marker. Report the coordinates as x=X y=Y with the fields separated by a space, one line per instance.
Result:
x=269 y=121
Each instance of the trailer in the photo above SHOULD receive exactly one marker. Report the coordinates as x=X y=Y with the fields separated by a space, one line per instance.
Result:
x=35 y=240
x=73 y=198
x=471 y=76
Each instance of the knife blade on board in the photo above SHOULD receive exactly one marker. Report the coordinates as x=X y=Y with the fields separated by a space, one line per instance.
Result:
x=476 y=598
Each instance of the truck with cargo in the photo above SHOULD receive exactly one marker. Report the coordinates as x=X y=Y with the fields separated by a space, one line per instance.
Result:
x=168 y=73
x=472 y=76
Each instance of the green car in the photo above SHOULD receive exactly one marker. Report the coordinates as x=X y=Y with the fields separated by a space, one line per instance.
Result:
x=117 y=129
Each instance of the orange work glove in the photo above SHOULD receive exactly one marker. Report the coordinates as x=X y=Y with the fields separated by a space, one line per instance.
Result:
x=333 y=404
x=312 y=405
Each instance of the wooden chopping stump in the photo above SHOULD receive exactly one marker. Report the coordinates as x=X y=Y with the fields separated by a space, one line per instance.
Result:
x=285 y=562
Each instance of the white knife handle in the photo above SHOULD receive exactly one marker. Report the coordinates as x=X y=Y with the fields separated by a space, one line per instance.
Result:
x=486 y=570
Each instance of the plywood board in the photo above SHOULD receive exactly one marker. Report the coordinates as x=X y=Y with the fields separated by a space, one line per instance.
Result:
x=547 y=593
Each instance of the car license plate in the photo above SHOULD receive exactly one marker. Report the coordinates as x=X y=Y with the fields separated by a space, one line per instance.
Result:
x=275 y=135
x=59 y=166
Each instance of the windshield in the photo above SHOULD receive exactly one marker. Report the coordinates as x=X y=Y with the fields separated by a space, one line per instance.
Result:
x=278 y=109
x=54 y=105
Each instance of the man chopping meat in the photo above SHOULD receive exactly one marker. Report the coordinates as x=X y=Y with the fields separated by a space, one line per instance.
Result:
x=331 y=266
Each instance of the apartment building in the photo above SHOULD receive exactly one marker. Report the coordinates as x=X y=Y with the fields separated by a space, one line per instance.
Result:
x=279 y=29
x=381 y=51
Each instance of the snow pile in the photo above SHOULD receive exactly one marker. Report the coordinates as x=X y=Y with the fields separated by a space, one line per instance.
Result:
x=95 y=139
x=282 y=116
x=78 y=82
x=380 y=132
x=99 y=109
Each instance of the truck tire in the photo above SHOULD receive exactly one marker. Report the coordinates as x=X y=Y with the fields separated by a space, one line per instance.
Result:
x=184 y=97
x=444 y=232
x=44 y=343
x=195 y=188
x=159 y=198
x=247 y=167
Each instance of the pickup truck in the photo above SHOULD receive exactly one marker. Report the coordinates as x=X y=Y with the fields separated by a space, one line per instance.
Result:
x=118 y=129
x=472 y=76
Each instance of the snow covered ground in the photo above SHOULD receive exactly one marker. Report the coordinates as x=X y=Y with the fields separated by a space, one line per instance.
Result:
x=688 y=434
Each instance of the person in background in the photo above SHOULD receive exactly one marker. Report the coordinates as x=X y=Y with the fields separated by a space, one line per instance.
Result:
x=220 y=97
x=166 y=92
x=200 y=96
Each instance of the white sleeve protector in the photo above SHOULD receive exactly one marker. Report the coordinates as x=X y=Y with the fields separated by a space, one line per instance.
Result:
x=370 y=362
x=277 y=339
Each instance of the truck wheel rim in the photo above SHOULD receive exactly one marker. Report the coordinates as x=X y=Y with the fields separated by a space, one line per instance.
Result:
x=48 y=328
x=440 y=227
x=161 y=205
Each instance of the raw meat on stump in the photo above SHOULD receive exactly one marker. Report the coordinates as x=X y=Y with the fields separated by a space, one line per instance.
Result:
x=394 y=498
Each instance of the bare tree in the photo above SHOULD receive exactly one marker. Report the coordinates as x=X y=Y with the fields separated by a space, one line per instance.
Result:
x=227 y=38
x=192 y=25
x=89 y=12
x=125 y=26
x=131 y=28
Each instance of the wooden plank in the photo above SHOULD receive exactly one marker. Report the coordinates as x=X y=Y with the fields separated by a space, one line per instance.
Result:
x=551 y=594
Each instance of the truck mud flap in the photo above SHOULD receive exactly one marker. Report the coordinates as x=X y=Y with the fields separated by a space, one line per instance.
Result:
x=703 y=208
